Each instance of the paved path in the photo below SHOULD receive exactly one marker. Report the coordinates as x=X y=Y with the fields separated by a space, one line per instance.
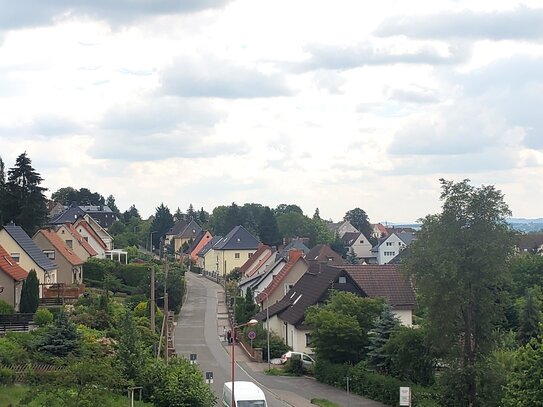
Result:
x=199 y=330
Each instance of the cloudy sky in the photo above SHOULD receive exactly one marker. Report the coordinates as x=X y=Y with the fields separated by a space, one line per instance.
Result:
x=329 y=104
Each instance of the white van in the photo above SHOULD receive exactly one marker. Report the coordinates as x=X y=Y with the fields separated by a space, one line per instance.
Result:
x=246 y=394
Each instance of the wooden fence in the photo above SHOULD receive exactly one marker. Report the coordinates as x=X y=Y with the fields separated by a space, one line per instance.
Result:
x=21 y=372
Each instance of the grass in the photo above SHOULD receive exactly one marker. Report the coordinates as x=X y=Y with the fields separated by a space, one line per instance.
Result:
x=11 y=395
x=277 y=372
x=324 y=403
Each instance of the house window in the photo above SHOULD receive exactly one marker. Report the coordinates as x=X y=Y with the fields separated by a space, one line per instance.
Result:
x=85 y=238
x=342 y=280
x=15 y=256
x=50 y=254
x=70 y=244
x=236 y=255
x=390 y=243
x=361 y=241
x=249 y=255
x=288 y=287
x=390 y=253
x=308 y=340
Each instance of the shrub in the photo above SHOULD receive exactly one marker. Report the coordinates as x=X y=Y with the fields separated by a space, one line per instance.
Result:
x=331 y=373
x=11 y=352
x=133 y=274
x=294 y=365
x=6 y=309
x=43 y=317
x=6 y=376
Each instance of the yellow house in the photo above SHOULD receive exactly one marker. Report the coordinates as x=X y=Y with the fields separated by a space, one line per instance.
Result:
x=24 y=251
x=232 y=251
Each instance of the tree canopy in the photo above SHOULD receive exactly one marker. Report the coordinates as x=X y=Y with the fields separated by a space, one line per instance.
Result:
x=82 y=196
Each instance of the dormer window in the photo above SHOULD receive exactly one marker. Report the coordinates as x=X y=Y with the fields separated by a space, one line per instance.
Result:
x=342 y=280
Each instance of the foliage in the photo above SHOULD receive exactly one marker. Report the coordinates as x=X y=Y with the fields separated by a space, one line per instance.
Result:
x=524 y=385
x=277 y=344
x=530 y=320
x=84 y=383
x=60 y=338
x=409 y=356
x=352 y=258
x=340 y=327
x=7 y=376
x=6 y=309
x=324 y=403
x=131 y=355
x=459 y=262
x=385 y=326
x=43 y=317
x=294 y=365
x=293 y=224
x=178 y=384
x=526 y=272
x=23 y=200
x=359 y=219
x=338 y=246
x=162 y=222
x=67 y=195
x=11 y=352
x=268 y=231
x=30 y=296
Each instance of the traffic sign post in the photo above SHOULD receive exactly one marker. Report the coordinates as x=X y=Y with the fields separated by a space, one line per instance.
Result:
x=209 y=377
x=193 y=359
x=251 y=335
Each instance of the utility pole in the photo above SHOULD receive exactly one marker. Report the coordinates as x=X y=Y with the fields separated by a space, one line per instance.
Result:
x=153 y=329
x=166 y=313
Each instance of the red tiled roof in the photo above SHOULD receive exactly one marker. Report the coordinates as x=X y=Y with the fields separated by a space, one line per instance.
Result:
x=61 y=247
x=262 y=248
x=91 y=231
x=383 y=281
x=11 y=267
x=294 y=256
x=86 y=245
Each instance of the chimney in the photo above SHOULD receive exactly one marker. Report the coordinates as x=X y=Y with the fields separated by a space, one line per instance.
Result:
x=294 y=254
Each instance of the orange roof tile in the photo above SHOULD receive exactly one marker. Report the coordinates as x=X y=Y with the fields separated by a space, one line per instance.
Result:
x=61 y=247
x=86 y=245
x=11 y=267
x=294 y=256
x=91 y=231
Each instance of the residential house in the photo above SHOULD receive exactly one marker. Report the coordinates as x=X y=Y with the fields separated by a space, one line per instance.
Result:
x=286 y=317
x=322 y=253
x=184 y=231
x=359 y=244
x=199 y=242
x=69 y=265
x=390 y=246
x=258 y=261
x=385 y=281
x=282 y=282
x=260 y=280
x=87 y=232
x=27 y=254
x=73 y=239
x=11 y=278
x=234 y=249
x=341 y=228
x=99 y=230
x=530 y=243
x=101 y=214
x=295 y=244
x=379 y=231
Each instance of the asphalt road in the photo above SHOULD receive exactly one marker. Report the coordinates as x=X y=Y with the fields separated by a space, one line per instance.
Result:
x=197 y=332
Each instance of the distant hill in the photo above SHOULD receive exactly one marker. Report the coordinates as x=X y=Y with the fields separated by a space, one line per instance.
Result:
x=520 y=224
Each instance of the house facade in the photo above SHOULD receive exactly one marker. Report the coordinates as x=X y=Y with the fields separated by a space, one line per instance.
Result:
x=390 y=246
x=342 y=227
x=87 y=232
x=258 y=261
x=358 y=243
x=233 y=250
x=203 y=238
x=72 y=238
x=11 y=278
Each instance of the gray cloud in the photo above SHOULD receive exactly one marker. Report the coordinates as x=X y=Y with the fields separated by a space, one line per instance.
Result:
x=413 y=95
x=220 y=79
x=46 y=126
x=522 y=23
x=333 y=57
x=29 y=13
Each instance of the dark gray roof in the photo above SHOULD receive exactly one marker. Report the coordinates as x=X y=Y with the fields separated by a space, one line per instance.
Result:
x=209 y=245
x=406 y=237
x=26 y=243
x=295 y=244
x=238 y=238
x=195 y=242
x=70 y=215
x=185 y=229
x=324 y=253
x=349 y=238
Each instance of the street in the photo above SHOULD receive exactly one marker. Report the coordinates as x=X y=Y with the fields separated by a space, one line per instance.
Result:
x=198 y=332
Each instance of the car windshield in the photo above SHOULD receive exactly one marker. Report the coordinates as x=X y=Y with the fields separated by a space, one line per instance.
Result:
x=251 y=403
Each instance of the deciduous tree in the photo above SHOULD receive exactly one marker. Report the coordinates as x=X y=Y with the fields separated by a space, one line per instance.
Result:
x=359 y=219
x=268 y=231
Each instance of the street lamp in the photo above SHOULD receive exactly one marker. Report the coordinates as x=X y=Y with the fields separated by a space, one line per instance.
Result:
x=151 y=243
x=250 y=323
x=267 y=325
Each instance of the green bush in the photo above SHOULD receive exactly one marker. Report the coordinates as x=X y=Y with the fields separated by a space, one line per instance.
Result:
x=6 y=376
x=11 y=352
x=133 y=274
x=6 y=309
x=294 y=365
x=331 y=373
x=43 y=317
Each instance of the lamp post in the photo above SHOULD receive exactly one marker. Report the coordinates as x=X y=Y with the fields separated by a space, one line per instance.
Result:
x=151 y=243
x=267 y=325
x=250 y=323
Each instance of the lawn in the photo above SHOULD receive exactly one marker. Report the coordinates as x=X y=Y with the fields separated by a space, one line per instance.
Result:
x=324 y=403
x=11 y=395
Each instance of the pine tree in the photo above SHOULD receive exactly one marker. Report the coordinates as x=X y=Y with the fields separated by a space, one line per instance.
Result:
x=268 y=231
x=110 y=202
x=352 y=258
x=30 y=293
x=162 y=222
x=203 y=217
x=384 y=327
x=178 y=215
x=25 y=203
x=530 y=319
x=317 y=214
x=61 y=338
x=191 y=213
x=2 y=190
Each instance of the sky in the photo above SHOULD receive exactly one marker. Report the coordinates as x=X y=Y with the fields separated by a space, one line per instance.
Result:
x=324 y=104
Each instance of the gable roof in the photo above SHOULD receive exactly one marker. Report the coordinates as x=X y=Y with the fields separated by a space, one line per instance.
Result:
x=196 y=241
x=85 y=225
x=86 y=245
x=61 y=247
x=296 y=244
x=350 y=238
x=406 y=237
x=255 y=258
x=209 y=245
x=70 y=214
x=257 y=278
x=307 y=291
x=383 y=281
x=294 y=257
x=183 y=228
x=530 y=242
x=238 y=238
x=9 y=266
x=25 y=242
x=323 y=253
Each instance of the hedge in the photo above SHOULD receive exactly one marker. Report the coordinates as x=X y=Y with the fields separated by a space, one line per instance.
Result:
x=373 y=385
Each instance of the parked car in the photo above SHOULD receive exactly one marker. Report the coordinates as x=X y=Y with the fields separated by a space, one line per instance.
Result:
x=246 y=394
x=307 y=360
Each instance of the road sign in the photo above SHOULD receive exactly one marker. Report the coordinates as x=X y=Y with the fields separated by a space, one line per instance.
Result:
x=209 y=377
x=192 y=358
x=251 y=335
x=405 y=396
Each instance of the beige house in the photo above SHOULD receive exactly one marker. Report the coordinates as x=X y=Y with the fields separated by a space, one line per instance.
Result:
x=11 y=278
x=258 y=261
x=87 y=232
x=233 y=250
x=359 y=244
x=72 y=238
x=69 y=265
x=27 y=254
